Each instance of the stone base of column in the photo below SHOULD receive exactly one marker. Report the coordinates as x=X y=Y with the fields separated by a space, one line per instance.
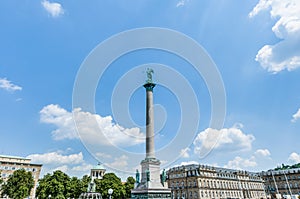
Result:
x=151 y=188
x=151 y=193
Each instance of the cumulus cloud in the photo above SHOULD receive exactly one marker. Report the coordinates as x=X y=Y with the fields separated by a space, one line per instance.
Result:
x=54 y=9
x=92 y=128
x=296 y=116
x=82 y=167
x=185 y=163
x=71 y=164
x=7 y=85
x=69 y=169
x=229 y=139
x=260 y=156
x=63 y=168
x=62 y=119
x=284 y=55
x=181 y=3
x=184 y=153
x=103 y=155
x=119 y=163
x=262 y=153
x=241 y=163
x=294 y=158
x=56 y=158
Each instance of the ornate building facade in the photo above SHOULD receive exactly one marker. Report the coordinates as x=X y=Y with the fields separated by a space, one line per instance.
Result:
x=201 y=181
x=282 y=182
x=9 y=164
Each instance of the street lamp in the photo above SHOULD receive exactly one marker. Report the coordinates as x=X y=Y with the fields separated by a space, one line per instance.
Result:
x=110 y=191
x=49 y=196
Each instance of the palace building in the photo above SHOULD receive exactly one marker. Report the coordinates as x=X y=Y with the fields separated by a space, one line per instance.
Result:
x=201 y=181
x=9 y=164
x=282 y=182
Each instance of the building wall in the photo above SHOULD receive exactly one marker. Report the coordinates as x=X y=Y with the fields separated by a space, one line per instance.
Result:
x=200 y=181
x=9 y=164
x=286 y=182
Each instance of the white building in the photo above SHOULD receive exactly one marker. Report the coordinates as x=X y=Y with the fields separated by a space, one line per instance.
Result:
x=201 y=181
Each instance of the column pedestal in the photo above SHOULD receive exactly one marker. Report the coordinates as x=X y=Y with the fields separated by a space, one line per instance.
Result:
x=150 y=187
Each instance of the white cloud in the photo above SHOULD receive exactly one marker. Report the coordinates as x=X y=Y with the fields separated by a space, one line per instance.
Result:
x=286 y=53
x=294 y=158
x=71 y=164
x=188 y=163
x=103 y=155
x=231 y=139
x=63 y=168
x=262 y=153
x=54 y=9
x=240 y=163
x=62 y=119
x=181 y=3
x=56 y=158
x=296 y=116
x=7 y=85
x=185 y=163
x=184 y=153
x=82 y=167
x=119 y=163
x=92 y=128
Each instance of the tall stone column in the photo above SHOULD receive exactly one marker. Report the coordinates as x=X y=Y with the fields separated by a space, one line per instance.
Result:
x=150 y=185
x=150 y=150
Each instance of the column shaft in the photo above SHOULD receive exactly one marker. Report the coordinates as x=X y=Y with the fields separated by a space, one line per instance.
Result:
x=149 y=125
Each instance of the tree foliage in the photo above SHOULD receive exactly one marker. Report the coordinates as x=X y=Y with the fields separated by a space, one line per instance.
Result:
x=284 y=167
x=60 y=186
x=128 y=186
x=1 y=180
x=85 y=183
x=110 y=181
x=55 y=185
x=18 y=185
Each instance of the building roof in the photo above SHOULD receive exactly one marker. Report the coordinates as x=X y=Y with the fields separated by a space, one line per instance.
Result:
x=13 y=157
x=99 y=166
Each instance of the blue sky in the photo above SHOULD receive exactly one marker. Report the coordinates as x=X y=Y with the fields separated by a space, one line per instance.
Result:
x=254 y=45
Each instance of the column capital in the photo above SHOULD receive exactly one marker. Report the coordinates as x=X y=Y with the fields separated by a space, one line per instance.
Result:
x=149 y=86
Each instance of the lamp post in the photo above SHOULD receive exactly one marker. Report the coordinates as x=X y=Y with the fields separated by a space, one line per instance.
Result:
x=110 y=191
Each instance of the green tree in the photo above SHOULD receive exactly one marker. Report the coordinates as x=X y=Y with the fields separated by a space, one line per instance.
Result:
x=56 y=185
x=60 y=186
x=18 y=185
x=1 y=180
x=110 y=180
x=85 y=180
x=128 y=186
x=73 y=188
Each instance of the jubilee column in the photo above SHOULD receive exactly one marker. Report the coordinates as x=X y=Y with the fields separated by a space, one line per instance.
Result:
x=149 y=85
x=152 y=184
